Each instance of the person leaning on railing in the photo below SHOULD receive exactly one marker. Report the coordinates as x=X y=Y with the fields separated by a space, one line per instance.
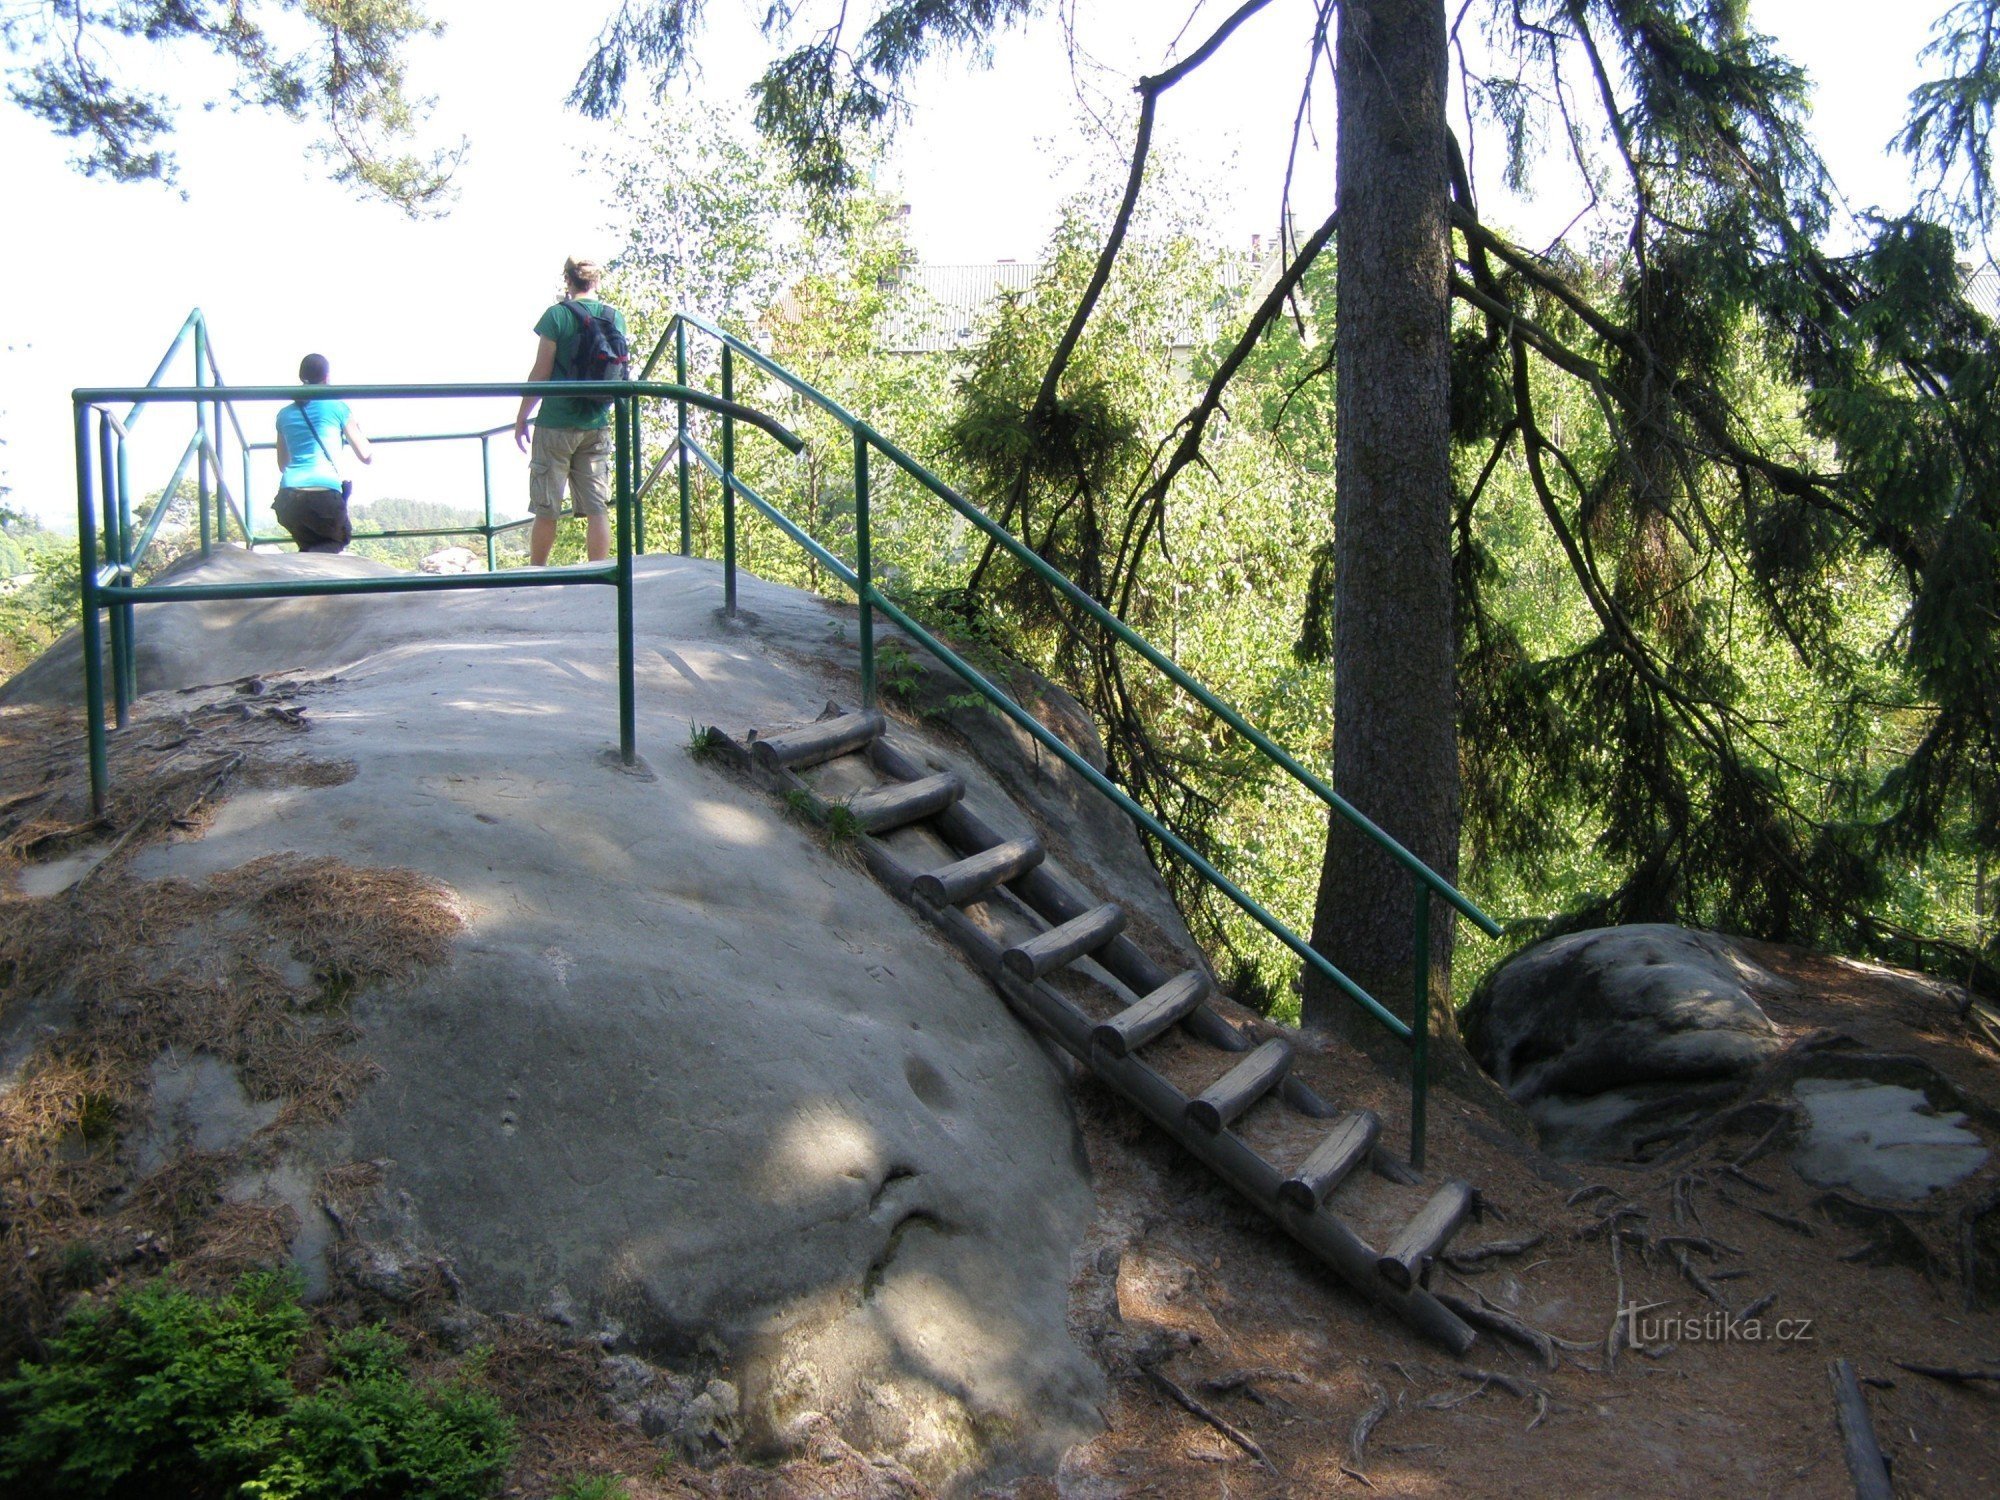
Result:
x=312 y=497
x=572 y=443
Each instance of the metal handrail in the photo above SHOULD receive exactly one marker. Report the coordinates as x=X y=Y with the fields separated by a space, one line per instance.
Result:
x=1428 y=882
x=111 y=590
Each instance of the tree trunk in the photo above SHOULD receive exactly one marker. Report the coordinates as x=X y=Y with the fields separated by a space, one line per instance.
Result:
x=1395 y=690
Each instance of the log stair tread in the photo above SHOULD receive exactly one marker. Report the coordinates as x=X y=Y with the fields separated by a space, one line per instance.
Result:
x=1012 y=871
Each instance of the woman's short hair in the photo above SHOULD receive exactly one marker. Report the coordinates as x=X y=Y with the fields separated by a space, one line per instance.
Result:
x=312 y=370
x=582 y=274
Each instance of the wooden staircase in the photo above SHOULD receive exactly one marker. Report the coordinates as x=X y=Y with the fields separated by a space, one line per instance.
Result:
x=1066 y=968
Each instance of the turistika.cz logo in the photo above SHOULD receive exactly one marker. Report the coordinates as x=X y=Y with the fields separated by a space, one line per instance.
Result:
x=1645 y=1326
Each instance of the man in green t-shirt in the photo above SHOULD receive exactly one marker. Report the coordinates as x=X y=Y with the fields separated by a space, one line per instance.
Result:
x=572 y=444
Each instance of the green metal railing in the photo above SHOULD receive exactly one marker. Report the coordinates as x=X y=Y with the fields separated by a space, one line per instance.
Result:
x=1426 y=883
x=215 y=506
x=109 y=589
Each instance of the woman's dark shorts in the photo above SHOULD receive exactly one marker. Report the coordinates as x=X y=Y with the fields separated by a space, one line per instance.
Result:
x=317 y=519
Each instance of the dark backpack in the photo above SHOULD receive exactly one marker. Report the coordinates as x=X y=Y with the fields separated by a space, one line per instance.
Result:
x=601 y=350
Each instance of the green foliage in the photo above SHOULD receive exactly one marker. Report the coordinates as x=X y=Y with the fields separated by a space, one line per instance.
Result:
x=165 y=1392
x=815 y=99
x=72 y=60
x=594 y=1487
x=367 y=1430
x=702 y=742
x=38 y=582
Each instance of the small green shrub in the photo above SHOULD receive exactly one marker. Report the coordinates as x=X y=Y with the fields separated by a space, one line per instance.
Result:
x=701 y=741
x=594 y=1487
x=161 y=1394
x=165 y=1393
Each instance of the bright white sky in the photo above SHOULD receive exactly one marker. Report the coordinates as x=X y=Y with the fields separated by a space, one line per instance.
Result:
x=282 y=261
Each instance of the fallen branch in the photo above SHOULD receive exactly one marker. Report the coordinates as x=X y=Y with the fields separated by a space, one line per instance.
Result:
x=1865 y=1462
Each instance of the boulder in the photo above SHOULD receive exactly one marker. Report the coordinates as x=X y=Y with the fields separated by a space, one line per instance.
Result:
x=1603 y=1034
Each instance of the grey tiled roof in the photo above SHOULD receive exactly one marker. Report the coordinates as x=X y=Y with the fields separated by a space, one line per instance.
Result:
x=1982 y=289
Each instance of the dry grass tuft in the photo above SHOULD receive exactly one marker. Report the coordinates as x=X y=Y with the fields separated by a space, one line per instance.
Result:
x=253 y=966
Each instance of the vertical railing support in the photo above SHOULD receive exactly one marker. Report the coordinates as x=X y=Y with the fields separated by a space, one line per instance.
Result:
x=637 y=464
x=1420 y=1028
x=126 y=574
x=486 y=489
x=628 y=729
x=249 y=504
x=728 y=483
x=93 y=647
x=681 y=432
x=201 y=431
x=114 y=552
x=864 y=567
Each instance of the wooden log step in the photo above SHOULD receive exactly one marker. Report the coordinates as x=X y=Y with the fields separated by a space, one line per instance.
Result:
x=976 y=874
x=796 y=749
x=899 y=802
x=1241 y=1087
x=1136 y=1025
x=1402 y=1264
x=1332 y=1159
x=1047 y=951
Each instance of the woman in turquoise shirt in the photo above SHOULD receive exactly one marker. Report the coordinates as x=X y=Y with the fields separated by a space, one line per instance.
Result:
x=312 y=497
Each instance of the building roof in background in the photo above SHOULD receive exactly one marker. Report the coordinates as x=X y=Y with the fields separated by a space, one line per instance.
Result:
x=1982 y=289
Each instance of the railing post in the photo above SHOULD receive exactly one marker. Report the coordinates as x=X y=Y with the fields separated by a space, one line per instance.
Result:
x=114 y=552
x=1420 y=1028
x=201 y=430
x=864 y=567
x=628 y=733
x=681 y=432
x=127 y=555
x=249 y=505
x=93 y=648
x=636 y=463
x=728 y=483
x=486 y=487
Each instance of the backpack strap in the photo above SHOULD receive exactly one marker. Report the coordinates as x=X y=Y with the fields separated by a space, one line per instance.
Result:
x=318 y=442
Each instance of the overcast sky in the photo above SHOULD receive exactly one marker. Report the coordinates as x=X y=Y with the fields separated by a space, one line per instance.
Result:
x=100 y=276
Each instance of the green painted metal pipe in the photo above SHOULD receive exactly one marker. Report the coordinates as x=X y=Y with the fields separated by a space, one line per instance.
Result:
x=771 y=367
x=778 y=519
x=728 y=486
x=201 y=432
x=1420 y=1033
x=1147 y=821
x=128 y=667
x=396 y=583
x=486 y=490
x=87 y=595
x=633 y=463
x=1416 y=867
x=790 y=441
x=114 y=554
x=1176 y=674
x=628 y=730
x=864 y=570
x=681 y=432
x=188 y=326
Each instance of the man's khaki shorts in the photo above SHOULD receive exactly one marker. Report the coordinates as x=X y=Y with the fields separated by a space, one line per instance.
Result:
x=576 y=457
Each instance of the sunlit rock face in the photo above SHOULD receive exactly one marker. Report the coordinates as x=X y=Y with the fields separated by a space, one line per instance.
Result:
x=689 y=1078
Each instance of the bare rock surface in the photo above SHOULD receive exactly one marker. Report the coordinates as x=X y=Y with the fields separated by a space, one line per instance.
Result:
x=686 y=1064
